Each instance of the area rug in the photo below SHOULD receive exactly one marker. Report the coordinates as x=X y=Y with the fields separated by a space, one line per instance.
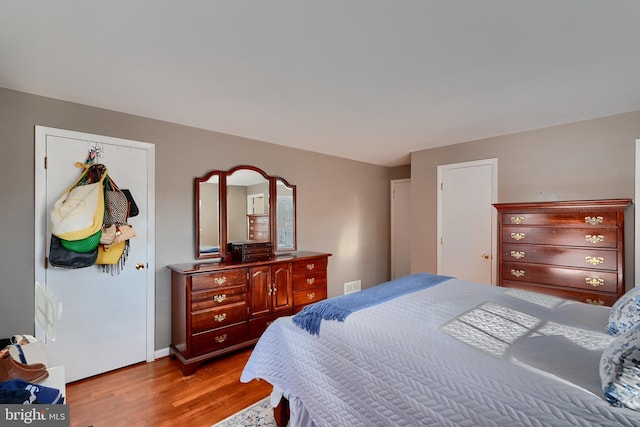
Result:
x=260 y=414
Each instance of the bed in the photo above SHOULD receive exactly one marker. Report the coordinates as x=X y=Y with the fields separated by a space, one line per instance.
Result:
x=448 y=353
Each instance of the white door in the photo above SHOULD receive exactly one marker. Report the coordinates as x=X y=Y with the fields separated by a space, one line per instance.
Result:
x=466 y=220
x=92 y=321
x=400 y=227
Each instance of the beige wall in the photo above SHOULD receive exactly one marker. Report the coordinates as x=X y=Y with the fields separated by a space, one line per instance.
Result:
x=343 y=205
x=593 y=159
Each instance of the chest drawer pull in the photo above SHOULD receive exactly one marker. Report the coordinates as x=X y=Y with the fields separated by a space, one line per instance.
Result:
x=517 y=273
x=594 y=260
x=311 y=295
x=310 y=280
x=220 y=298
x=594 y=281
x=594 y=302
x=311 y=266
x=593 y=220
x=220 y=280
x=220 y=338
x=220 y=317
x=517 y=254
x=517 y=236
x=594 y=238
x=516 y=219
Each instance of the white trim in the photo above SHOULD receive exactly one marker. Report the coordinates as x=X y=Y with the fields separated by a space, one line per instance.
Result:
x=637 y=215
x=41 y=133
x=163 y=352
x=493 y=162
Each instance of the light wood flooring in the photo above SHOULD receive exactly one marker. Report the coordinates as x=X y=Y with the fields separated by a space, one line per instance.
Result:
x=157 y=394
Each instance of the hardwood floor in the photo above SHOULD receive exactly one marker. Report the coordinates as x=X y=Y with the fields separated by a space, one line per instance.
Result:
x=156 y=394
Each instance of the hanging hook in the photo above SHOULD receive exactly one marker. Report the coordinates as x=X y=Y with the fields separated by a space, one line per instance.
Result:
x=96 y=152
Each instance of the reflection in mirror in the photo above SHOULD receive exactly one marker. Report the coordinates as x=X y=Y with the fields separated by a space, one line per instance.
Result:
x=208 y=216
x=285 y=215
x=247 y=206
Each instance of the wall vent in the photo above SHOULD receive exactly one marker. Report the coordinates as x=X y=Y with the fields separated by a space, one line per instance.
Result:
x=351 y=287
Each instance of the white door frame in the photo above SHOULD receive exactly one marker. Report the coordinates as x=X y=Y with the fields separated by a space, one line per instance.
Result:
x=41 y=133
x=494 y=216
x=637 y=217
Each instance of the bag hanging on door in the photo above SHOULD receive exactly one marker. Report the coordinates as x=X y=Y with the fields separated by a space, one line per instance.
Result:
x=116 y=204
x=83 y=245
x=123 y=232
x=79 y=212
x=133 y=206
x=64 y=258
x=113 y=258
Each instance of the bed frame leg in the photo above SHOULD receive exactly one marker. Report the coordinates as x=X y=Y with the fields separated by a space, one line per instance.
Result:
x=281 y=413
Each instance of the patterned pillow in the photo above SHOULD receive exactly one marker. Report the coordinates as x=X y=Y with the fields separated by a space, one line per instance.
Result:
x=625 y=313
x=620 y=370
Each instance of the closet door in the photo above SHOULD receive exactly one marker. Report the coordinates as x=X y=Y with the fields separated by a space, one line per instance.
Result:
x=466 y=220
x=91 y=321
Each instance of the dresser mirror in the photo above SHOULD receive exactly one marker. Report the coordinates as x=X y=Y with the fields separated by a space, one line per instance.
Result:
x=285 y=215
x=243 y=203
x=207 y=196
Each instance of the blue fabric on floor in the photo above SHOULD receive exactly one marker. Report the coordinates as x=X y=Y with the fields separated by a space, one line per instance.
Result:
x=338 y=308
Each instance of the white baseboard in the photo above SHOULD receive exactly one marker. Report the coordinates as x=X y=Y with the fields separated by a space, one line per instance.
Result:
x=163 y=352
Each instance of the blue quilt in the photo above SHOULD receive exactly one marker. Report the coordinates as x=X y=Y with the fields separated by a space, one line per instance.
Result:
x=338 y=308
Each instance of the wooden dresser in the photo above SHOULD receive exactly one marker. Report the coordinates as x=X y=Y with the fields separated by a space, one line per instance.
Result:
x=219 y=307
x=572 y=249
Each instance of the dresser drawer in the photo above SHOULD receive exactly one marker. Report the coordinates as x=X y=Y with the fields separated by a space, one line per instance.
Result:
x=584 y=218
x=301 y=282
x=212 y=318
x=218 y=338
x=258 y=325
x=310 y=266
x=219 y=279
x=602 y=281
x=218 y=297
x=582 y=296
x=606 y=237
x=310 y=295
x=604 y=259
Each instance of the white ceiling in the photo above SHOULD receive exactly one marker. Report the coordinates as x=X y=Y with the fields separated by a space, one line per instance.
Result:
x=369 y=80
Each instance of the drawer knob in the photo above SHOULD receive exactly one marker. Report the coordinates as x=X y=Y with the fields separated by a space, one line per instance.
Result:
x=220 y=280
x=594 y=302
x=220 y=317
x=310 y=280
x=220 y=298
x=516 y=219
x=517 y=236
x=594 y=281
x=310 y=266
x=220 y=338
x=311 y=295
x=517 y=273
x=594 y=260
x=594 y=238
x=517 y=254
x=593 y=220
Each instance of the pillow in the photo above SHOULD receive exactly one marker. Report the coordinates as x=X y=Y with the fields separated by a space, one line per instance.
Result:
x=620 y=370
x=625 y=313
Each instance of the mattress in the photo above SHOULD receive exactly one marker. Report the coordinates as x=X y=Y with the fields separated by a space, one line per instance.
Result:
x=412 y=361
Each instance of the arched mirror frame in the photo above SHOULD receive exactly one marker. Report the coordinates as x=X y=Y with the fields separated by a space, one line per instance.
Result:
x=222 y=211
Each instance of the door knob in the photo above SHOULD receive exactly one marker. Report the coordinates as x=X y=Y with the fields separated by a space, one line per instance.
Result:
x=139 y=266
x=485 y=256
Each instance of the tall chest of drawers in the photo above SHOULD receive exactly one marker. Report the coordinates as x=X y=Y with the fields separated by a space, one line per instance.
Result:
x=220 y=307
x=572 y=249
